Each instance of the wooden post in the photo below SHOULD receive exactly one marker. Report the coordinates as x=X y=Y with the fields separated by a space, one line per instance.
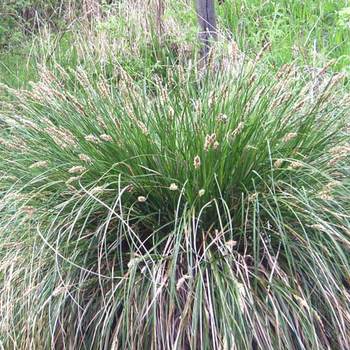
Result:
x=207 y=22
x=160 y=15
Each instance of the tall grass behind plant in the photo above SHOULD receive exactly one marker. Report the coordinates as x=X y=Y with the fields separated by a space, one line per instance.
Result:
x=320 y=34
x=309 y=32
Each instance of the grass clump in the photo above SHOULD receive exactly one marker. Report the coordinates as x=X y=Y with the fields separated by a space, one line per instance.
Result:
x=183 y=211
x=147 y=204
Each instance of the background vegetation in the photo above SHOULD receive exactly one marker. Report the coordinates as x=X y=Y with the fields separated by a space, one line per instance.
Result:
x=308 y=32
x=146 y=202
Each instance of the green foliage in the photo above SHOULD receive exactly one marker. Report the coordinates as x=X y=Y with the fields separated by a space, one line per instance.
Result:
x=14 y=22
x=187 y=20
x=308 y=32
x=10 y=34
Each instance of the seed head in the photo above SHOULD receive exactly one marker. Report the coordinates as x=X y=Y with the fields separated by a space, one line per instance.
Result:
x=173 y=187
x=336 y=160
x=73 y=179
x=231 y=244
x=318 y=227
x=332 y=185
x=197 y=162
x=222 y=118
x=129 y=188
x=61 y=136
x=201 y=192
x=101 y=122
x=143 y=127
x=29 y=210
x=181 y=281
x=289 y=136
x=171 y=112
x=164 y=94
x=239 y=128
x=25 y=122
x=341 y=149
x=295 y=165
x=278 y=163
x=77 y=169
x=96 y=190
x=85 y=158
x=211 y=99
x=209 y=141
x=339 y=153
x=9 y=177
x=92 y=138
x=106 y=137
x=326 y=196
x=198 y=106
x=236 y=131
x=252 y=197
x=103 y=88
x=40 y=164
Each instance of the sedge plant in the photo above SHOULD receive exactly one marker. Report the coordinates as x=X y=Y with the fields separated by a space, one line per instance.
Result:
x=169 y=208
x=185 y=212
